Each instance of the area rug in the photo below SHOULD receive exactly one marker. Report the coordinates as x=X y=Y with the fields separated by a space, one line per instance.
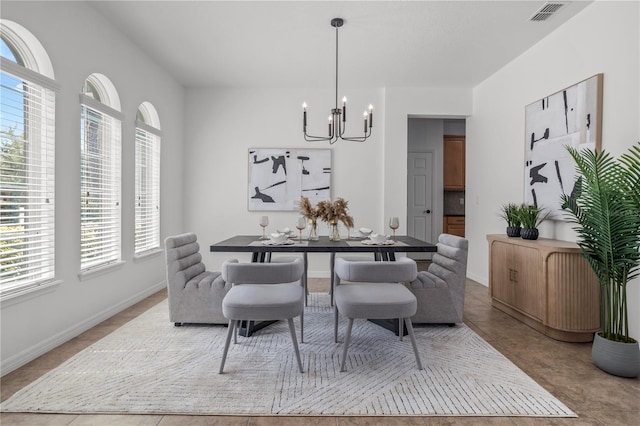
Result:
x=148 y=366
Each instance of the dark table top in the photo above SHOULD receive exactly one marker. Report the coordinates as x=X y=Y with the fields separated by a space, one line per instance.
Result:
x=243 y=243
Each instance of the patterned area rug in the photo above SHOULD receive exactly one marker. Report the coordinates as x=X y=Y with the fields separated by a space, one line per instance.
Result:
x=150 y=366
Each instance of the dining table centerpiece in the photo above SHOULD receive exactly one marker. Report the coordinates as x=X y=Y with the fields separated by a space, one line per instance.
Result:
x=311 y=213
x=327 y=211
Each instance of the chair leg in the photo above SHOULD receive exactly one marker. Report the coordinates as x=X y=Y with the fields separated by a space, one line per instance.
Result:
x=400 y=328
x=347 y=339
x=236 y=327
x=335 y=324
x=332 y=262
x=305 y=278
x=292 y=329
x=226 y=345
x=302 y=326
x=407 y=321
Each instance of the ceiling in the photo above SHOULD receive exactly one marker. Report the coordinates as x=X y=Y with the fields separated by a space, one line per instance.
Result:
x=292 y=44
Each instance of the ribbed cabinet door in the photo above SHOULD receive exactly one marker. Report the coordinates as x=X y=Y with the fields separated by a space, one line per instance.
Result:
x=573 y=293
x=530 y=295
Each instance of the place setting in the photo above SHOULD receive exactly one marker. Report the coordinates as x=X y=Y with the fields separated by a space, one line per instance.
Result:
x=282 y=237
x=370 y=238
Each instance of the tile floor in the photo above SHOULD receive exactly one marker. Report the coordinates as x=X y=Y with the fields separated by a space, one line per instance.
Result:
x=564 y=369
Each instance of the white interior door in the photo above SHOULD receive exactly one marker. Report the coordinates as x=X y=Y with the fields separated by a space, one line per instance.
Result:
x=420 y=198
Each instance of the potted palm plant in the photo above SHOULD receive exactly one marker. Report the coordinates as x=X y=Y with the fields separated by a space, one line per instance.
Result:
x=605 y=205
x=531 y=217
x=510 y=212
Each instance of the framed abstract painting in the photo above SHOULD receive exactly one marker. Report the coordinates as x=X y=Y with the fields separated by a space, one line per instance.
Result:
x=278 y=177
x=570 y=117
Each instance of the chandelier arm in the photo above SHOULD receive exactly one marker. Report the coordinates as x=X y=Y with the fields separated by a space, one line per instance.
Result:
x=311 y=138
x=356 y=139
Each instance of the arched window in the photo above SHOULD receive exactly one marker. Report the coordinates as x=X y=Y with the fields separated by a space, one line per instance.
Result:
x=27 y=168
x=100 y=181
x=148 y=134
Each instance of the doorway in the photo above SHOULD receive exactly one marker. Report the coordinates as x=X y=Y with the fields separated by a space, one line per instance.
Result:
x=425 y=148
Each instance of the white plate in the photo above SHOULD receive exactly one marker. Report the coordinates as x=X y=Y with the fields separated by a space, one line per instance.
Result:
x=373 y=243
x=284 y=243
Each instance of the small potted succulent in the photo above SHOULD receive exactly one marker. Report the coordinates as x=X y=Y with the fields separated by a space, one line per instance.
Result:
x=510 y=212
x=531 y=217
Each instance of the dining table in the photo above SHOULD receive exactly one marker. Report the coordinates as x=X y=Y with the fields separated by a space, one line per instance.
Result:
x=262 y=249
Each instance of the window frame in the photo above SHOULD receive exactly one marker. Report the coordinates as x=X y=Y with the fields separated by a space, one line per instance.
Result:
x=95 y=257
x=36 y=260
x=153 y=137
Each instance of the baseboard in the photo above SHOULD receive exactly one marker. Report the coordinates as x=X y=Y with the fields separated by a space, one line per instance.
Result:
x=29 y=354
x=318 y=274
x=479 y=279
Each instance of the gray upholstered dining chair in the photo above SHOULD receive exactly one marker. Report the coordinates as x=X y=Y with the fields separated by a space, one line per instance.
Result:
x=376 y=291
x=263 y=292
x=440 y=289
x=195 y=294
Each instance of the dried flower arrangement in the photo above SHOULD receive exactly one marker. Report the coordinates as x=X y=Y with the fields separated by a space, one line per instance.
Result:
x=327 y=211
x=307 y=210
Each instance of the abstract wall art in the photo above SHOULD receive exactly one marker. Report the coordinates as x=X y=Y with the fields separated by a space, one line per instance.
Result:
x=570 y=117
x=278 y=177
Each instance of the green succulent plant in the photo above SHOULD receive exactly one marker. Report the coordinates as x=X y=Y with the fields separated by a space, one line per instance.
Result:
x=510 y=212
x=531 y=216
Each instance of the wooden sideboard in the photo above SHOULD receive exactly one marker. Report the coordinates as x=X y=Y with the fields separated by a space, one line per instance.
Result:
x=546 y=284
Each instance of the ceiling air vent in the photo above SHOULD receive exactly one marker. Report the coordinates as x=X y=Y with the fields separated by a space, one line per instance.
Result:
x=546 y=11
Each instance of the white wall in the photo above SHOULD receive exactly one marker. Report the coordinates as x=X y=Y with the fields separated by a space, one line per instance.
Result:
x=80 y=42
x=222 y=124
x=603 y=38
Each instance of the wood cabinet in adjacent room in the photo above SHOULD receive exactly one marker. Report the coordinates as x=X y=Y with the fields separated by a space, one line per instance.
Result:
x=454 y=162
x=454 y=225
x=546 y=284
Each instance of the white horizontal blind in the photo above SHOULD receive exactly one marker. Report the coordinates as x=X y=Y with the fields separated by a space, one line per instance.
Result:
x=147 y=192
x=27 y=183
x=100 y=156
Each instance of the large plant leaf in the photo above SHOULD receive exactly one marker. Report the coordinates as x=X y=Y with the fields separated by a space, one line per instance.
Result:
x=631 y=160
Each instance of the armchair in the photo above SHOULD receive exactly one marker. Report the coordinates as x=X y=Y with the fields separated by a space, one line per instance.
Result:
x=440 y=289
x=195 y=294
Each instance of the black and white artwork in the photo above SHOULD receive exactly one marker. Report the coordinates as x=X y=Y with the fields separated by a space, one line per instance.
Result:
x=571 y=117
x=278 y=177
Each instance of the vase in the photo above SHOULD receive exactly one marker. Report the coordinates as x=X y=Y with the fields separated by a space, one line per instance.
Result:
x=617 y=358
x=529 y=233
x=313 y=230
x=334 y=235
x=513 y=231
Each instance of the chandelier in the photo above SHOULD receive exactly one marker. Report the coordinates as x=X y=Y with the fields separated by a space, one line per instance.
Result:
x=338 y=117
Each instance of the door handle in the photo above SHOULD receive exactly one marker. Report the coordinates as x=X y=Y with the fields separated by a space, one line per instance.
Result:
x=427 y=212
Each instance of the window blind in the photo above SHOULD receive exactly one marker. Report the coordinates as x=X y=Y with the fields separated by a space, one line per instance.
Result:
x=27 y=183
x=147 y=191
x=100 y=188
